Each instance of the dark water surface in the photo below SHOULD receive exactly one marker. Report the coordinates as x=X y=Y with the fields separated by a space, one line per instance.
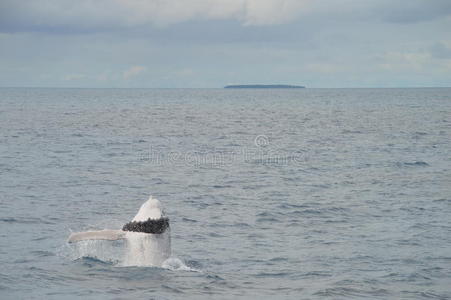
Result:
x=289 y=194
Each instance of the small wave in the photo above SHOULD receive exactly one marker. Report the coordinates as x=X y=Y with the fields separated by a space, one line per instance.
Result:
x=277 y=259
x=41 y=253
x=351 y=292
x=93 y=261
x=25 y=221
x=189 y=220
x=348 y=131
x=8 y=220
x=291 y=206
x=267 y=217
x=421 y=133
x=5 y=279
x=307 y=212
x=214 y=234
x=268 y=220
x=222 y=186
x=412 y=164
x=318 y=274
x=319 y=211
x=172 y=289
x=241 y=225
x=264 y=214
x=441 y=200
x=272 y=275
x=432 y=295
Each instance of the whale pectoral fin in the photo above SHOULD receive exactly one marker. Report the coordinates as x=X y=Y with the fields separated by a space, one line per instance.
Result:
x=110 y=235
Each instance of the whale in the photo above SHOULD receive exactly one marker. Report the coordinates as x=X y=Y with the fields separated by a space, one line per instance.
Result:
x=147 y=236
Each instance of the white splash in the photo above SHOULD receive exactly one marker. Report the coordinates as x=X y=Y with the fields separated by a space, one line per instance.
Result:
x=176 y=264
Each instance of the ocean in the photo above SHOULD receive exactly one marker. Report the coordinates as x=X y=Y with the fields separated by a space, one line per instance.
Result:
x=271 y=194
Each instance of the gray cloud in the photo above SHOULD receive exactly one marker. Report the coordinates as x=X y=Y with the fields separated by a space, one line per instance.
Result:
x=84 y=16
x=441 y=51
x=413 y=11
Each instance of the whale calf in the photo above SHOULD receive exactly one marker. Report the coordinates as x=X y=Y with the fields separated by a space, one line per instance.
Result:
x=147 y=236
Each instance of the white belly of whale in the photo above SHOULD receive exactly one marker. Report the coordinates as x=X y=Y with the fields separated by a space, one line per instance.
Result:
x=143 y=249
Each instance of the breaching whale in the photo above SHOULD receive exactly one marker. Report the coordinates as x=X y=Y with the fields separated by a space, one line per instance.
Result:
x=147 y=236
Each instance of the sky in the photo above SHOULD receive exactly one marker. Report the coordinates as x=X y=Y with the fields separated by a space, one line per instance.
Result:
x=212 y=43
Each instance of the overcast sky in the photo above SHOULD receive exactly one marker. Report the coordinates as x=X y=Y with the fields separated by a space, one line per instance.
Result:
x=211 y=43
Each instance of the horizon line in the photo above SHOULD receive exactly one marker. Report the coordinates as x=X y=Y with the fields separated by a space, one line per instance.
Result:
x=214 y=88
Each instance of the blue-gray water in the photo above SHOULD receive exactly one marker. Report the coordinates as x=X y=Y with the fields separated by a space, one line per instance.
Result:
x=290 y=194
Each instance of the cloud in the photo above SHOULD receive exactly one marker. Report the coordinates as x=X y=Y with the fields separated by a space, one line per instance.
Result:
x=414 y=11
x=86 y=15
x=184 y=72
x=70 y=77
x=326 y=68
x=408 y=61
x=133 y=71
x=419 y=61
x=441 y=50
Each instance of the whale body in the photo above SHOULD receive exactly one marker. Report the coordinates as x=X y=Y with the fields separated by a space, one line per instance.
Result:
x=147 y=236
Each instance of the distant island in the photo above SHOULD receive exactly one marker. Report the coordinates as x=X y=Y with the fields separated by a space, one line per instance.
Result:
x=263 y=86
